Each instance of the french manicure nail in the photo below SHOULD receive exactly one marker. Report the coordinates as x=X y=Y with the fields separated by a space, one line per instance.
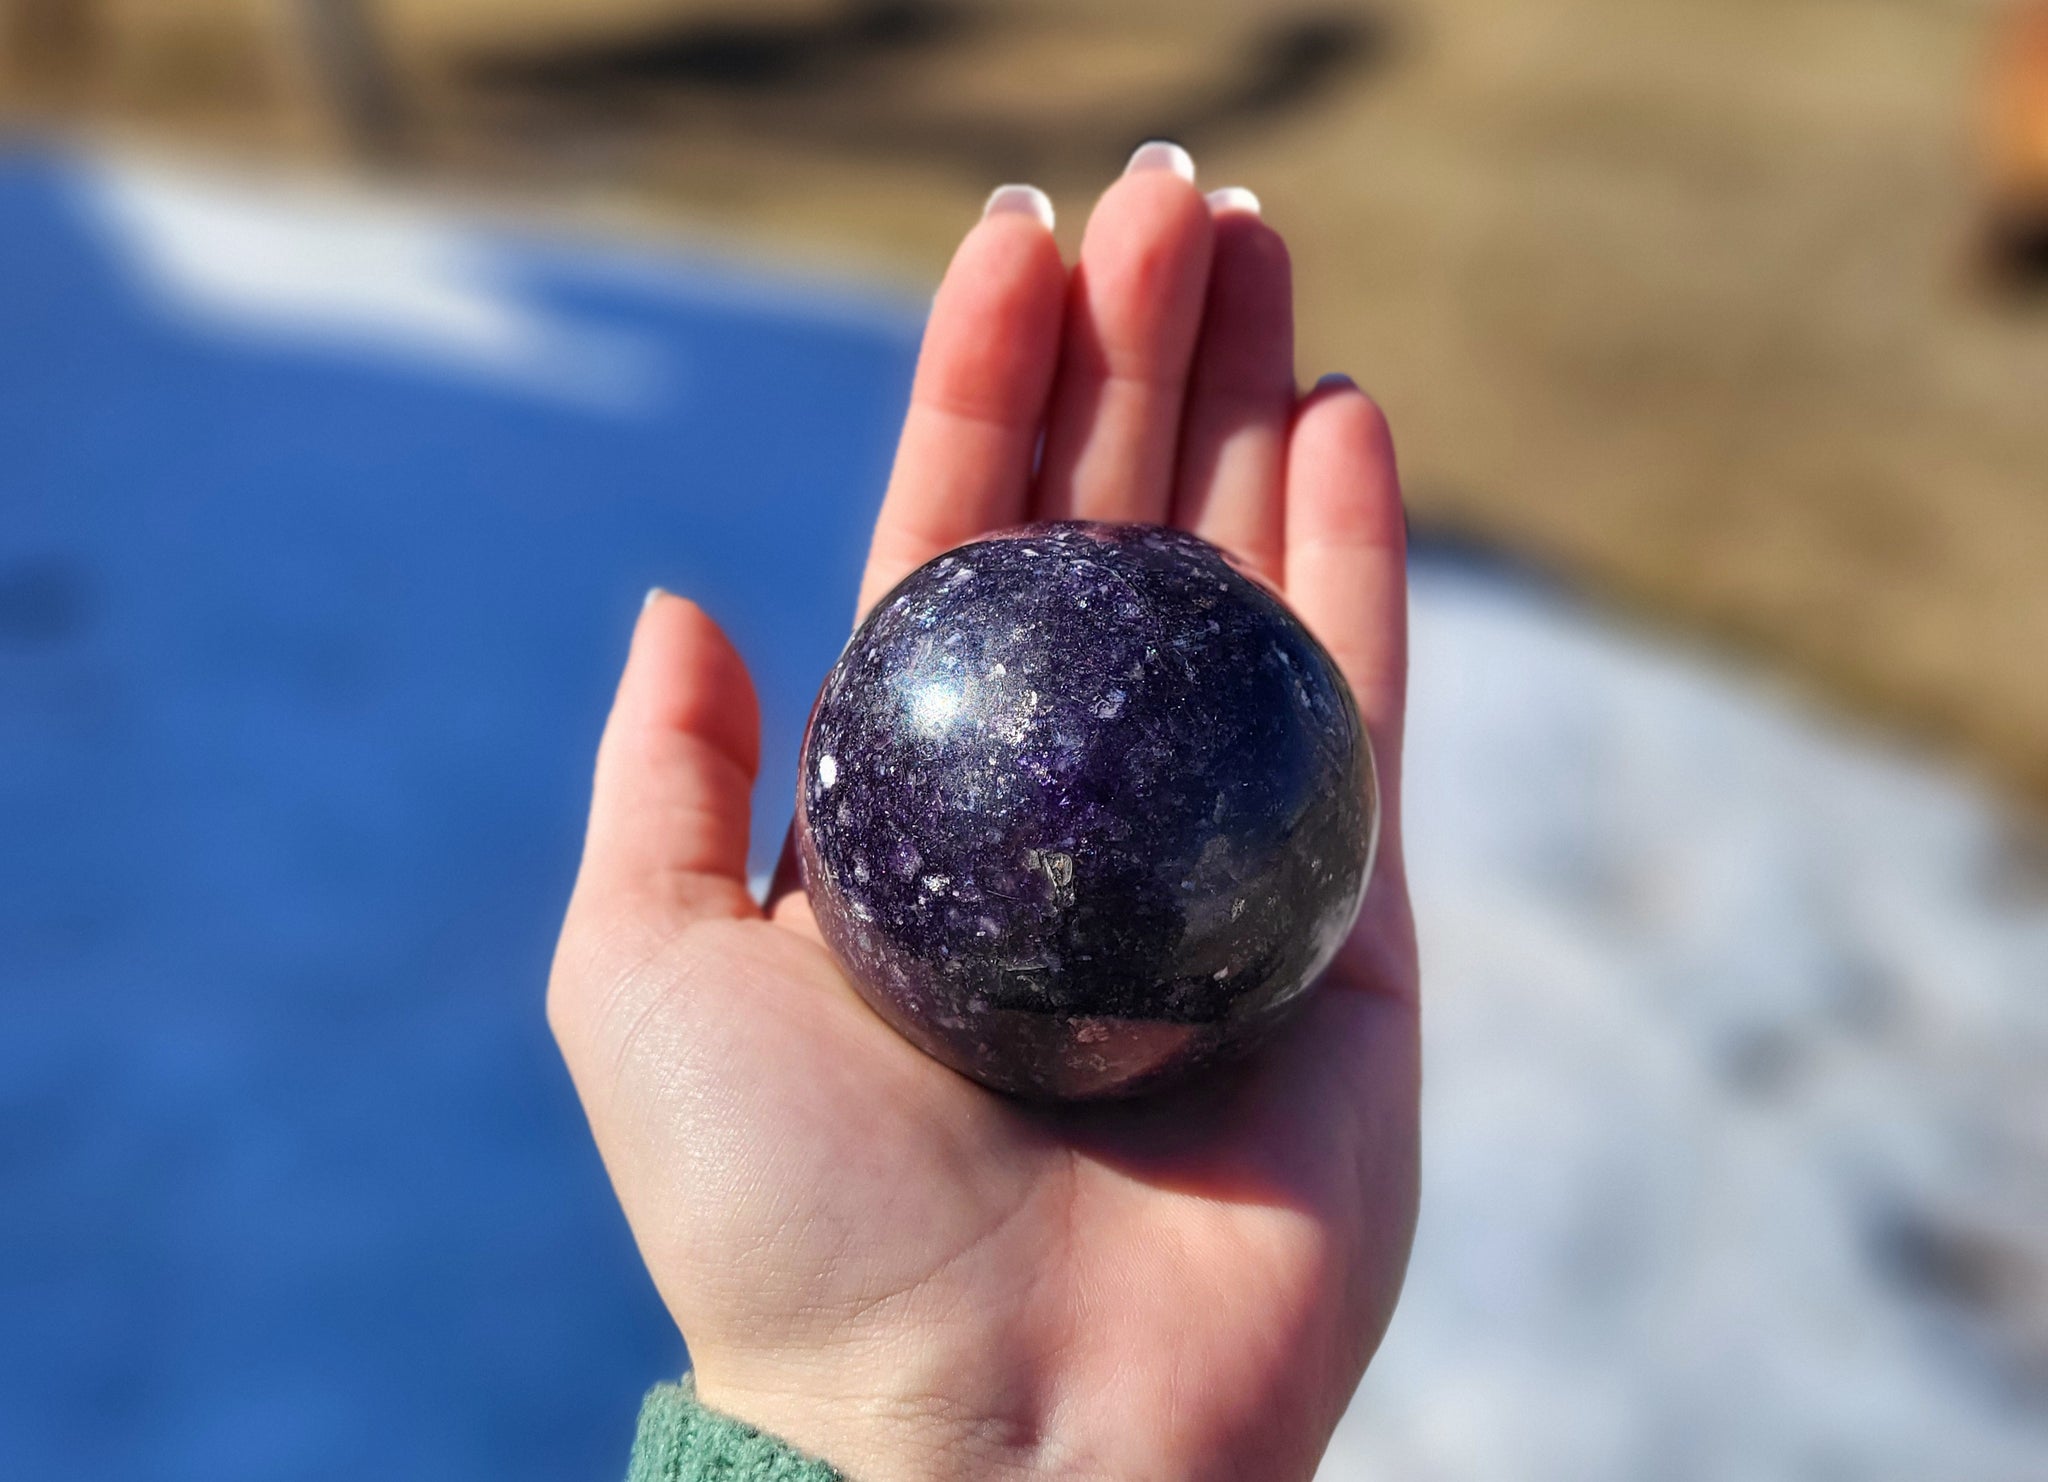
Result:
x=1162 y=154
x=1019 y=200
x=652 y=593
x=1233 y=198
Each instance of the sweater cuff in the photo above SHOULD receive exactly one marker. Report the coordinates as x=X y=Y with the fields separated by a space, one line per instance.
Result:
x=680 y=1440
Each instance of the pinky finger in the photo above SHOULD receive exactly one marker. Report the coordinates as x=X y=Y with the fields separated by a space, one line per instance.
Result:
x=1347 y=554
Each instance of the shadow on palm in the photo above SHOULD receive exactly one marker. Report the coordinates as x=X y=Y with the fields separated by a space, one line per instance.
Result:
x=1281 y=1127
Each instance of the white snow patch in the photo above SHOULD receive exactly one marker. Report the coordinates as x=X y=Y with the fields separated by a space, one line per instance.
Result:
x=322 y=267
x=1737 y=1043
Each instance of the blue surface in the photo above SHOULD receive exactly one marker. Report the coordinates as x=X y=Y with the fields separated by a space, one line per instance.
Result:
x=303 y=656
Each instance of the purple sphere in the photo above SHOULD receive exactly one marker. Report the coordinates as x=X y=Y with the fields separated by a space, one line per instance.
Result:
x=1083 y=808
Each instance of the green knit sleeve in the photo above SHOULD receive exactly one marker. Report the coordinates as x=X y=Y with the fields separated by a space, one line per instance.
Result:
x=681 y=1441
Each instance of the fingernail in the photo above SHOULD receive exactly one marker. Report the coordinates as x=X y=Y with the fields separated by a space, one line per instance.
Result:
x=652 y=593
x=1336 y=378
x=1162 y=154
x=1233 y=198
x=1019 y=200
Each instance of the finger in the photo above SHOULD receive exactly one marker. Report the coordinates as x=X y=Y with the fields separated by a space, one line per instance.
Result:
x=786 y=903
x=1133 y=311
x=667 y=841
x=964 y=461
x=1346 y=556
x=1233 y=451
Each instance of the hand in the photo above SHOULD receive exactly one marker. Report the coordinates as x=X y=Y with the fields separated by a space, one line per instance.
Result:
x=869 y=1255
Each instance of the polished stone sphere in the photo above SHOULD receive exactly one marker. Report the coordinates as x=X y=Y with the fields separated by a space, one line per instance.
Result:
x=1083 y=808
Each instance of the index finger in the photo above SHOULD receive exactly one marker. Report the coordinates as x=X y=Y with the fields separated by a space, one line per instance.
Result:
x=963 y=465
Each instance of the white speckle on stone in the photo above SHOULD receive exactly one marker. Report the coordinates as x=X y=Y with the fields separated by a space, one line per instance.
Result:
x=828 y=771
x=1221 y=973
x=937 y=883
x=998 y=671
x=1111 y=705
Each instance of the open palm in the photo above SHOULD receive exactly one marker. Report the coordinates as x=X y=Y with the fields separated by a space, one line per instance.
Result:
x=869 y=1255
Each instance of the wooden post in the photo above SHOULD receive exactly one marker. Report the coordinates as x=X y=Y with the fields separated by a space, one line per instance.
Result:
x=346 y=61
x=2016 y=144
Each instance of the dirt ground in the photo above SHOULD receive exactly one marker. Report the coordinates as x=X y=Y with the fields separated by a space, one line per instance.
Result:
x=1684 y=300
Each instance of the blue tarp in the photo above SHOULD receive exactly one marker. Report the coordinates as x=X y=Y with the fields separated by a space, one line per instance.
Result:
x=306 y=635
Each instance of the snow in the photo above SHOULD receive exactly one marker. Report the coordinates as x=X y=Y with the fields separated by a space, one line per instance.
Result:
x=303 y=262
x=1736 y=1119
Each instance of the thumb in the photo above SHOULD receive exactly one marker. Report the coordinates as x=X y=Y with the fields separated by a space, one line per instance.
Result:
x=667 y=841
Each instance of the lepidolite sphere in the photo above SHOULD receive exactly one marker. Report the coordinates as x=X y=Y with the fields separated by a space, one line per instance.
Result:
x=1083 y=809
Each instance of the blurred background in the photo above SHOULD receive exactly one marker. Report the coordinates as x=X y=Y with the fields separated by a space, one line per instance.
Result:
x=363 y=361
